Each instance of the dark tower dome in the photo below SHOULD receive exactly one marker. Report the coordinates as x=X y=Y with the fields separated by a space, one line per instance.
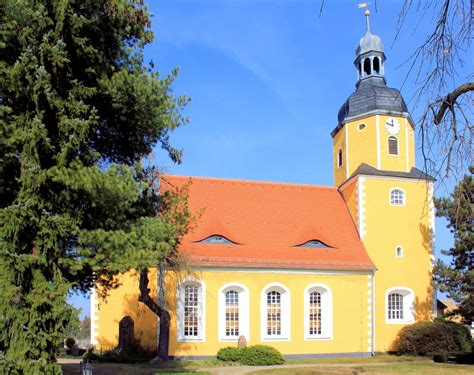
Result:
x=372 y=95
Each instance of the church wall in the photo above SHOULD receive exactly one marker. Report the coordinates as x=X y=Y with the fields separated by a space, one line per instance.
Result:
x=409 y=226
x=340 y=173
x=123 y=302
x=362 y=143
x=404 y=161
x=351 y=303
x=349 y=193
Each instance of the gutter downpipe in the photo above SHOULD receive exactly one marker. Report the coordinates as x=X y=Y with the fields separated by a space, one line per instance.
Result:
x=373 y=313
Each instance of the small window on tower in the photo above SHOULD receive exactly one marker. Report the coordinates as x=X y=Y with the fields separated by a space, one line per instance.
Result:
x=339 y=158
x=399 y=252
x=361 y=126
x=392 y=145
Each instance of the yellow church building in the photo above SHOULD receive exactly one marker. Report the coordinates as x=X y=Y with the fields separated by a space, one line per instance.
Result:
x=310 y=270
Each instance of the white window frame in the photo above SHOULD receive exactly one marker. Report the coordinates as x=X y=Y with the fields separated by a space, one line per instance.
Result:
x=408 y=305
x=401 y=252
x=244 y=312
x=201 y=310
x=326 y=312
x=404 y=197
x=285 y=302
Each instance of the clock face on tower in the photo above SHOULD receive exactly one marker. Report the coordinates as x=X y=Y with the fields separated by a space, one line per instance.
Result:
x=392 y=126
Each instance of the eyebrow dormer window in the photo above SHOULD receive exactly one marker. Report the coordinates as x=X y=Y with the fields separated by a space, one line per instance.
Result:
x=314 y=244
x=218 y=239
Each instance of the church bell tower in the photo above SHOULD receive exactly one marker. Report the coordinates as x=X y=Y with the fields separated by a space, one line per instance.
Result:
x=374 y=126
x=391 y=202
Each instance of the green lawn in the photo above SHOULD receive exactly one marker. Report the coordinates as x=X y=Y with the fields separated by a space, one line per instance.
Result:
x=380 y=358
x=388 y=369
x=381 y=364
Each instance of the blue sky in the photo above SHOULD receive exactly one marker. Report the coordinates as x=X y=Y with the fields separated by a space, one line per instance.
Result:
x=266 y=80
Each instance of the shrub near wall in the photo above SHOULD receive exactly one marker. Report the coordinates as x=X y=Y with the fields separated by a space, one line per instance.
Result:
x=261 y=355
x=257 y=355
x=230 y=354
x=434 y=337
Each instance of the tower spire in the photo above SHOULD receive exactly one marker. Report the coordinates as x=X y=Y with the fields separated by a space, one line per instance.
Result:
x=367 y=23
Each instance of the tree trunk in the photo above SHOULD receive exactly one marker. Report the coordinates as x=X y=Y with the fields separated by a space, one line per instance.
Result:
x=164 y=315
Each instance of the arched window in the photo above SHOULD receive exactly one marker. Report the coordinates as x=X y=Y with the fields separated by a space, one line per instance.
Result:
x=395 y=306
x=376 y=63
x=392 y=145
x=233 y=312
x=273 y=313
x=400 y=306
x=399 y=251
x=317 y=312
x=191 y=311
x=275 y=310
x=397 y=197
x=339 y=158
x=314 y=313
x=367 y=67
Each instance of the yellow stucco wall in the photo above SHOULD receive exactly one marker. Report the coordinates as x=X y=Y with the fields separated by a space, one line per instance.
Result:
x=120 y=303
x=349 y=193
x=404 y=161
x=339 y=144
x=370 y=146
x=387 y=227
x=350 y=294
x=362 y=143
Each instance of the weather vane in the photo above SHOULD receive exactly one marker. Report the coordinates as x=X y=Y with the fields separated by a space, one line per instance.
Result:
x=367 y=13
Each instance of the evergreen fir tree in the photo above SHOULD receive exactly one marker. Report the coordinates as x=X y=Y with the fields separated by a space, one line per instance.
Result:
x=457 y=278
x=79 y=109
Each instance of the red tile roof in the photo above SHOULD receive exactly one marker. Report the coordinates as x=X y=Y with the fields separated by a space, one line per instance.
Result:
x=267 y=221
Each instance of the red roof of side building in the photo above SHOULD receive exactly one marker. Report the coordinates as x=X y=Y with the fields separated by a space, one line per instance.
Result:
x=267 y=221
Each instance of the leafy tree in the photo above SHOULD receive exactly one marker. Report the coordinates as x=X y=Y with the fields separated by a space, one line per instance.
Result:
x=85 y=328
x=79 y=110
x=457 y=278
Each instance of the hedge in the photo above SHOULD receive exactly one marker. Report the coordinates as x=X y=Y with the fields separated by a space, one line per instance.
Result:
x=257 y=355
x=434 y=337
x=230 y=354
x=261 y=355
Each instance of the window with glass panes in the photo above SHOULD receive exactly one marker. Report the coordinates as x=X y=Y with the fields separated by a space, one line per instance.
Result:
x=191 y=311
x=273 y=313
x=232 y=313
x=397 y=197
x=315 y=313
x=395 y=306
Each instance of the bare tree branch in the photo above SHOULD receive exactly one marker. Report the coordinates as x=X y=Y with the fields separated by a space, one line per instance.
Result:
x=450 y=100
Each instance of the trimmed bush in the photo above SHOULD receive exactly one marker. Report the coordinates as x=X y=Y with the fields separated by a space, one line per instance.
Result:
x=440 y=358
x=261 y=355
x=69 y=342
x=434 y=337
x=90 y=356
x=465 y=359
x=230 y=354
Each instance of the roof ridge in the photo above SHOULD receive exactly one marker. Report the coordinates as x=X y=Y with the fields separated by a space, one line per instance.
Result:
x=254 y=182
